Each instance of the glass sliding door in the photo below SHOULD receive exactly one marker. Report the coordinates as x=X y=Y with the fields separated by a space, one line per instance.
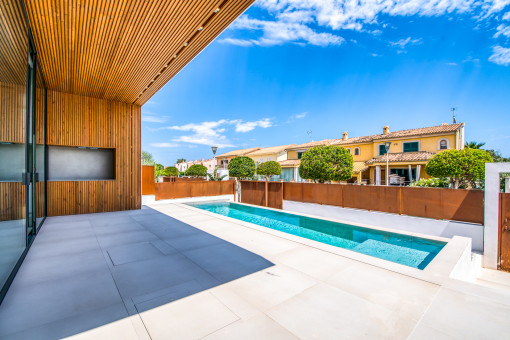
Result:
x=13 y=143
x=40 y=149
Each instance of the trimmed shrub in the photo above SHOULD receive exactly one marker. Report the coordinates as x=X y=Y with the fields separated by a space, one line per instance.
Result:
x=241 y=167
x=171 y=171
x=269 y=168
x=196 y=170
x=326 y=163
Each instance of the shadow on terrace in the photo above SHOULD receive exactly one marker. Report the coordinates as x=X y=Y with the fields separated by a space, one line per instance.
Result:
x=85 y=271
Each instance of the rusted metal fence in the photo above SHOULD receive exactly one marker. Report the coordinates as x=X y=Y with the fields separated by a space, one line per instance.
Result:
x=504 y=232
x=266 y=194
x=147 y=179
x=182 y=179
x=448 y=204
x=167 y=190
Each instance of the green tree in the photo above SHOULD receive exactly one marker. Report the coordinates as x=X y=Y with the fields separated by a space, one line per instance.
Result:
x=497 y=157
x=241 y=167
x=171 y=171
x=473 y=145
x=196 y=170
x=157 y=170
x=268 y=169
x=463 y=167
x=180 y=160
x=147 y=158
x=326 y=163
x=214 y=176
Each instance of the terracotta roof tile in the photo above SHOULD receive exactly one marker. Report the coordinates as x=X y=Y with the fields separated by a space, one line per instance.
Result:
x=270 y=150
x=359 y=167
x=290 y=163
x=403 y=157
x=240 y=152
x=312 y=144
x=444 y=128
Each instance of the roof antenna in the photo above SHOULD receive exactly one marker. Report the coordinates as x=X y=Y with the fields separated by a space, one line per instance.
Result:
x=453 y=112
x=309 y=132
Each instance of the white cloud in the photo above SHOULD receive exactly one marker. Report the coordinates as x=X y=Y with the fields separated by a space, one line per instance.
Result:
x=452 y=64
x=500 y=56
x=301 y=115
x=506 y=16
x=502 y=30
x=213 y=132
x=249 y=126
x=402 y=43
x=165 y=145
x=153 y=119
x=280 y=32
x=315 y=21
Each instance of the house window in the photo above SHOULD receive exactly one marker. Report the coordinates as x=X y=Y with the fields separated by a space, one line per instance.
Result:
x=268 y=159
x=382 y=150
x=443 y=144
x=356 y=151
x=299 y=155
x=411 y=146
x=348 y=149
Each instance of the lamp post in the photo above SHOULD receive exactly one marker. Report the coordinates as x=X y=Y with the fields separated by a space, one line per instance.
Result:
x=214 y=149
x=387 y=145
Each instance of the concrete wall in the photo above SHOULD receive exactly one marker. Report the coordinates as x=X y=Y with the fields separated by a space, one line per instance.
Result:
x=420 y=225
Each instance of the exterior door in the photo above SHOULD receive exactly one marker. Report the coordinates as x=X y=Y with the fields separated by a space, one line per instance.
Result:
x=504 y=232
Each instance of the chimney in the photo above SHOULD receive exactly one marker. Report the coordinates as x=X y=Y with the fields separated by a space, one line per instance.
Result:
x=344 y=135
x=385 y=130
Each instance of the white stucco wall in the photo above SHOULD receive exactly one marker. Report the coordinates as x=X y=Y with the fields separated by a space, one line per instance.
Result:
x=420 y=225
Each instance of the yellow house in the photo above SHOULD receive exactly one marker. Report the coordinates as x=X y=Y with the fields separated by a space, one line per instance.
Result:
x=223 y=159
x=408 y=154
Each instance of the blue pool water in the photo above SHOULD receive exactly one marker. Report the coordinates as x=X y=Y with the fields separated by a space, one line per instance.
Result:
x=407 y=250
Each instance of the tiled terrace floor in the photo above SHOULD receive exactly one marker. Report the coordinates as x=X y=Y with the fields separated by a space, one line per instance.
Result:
x=175 y=273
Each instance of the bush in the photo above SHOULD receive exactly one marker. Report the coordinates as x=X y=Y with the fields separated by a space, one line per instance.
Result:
x=463 y=167
x=432 y=183
x=182 y=173
x=196 y=170
x=326 y=163
x=171 y=171
x=269 y=168
x=241 y=167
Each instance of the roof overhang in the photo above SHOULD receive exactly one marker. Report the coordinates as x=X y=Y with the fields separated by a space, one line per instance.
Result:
x=123 y=50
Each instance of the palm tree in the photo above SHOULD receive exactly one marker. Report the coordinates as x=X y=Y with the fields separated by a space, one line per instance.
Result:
x=474 y=145
x=214 y=177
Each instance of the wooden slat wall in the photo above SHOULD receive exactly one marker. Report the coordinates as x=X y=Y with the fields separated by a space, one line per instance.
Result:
x=13 y=43
x=118 y=50
x=75 y=120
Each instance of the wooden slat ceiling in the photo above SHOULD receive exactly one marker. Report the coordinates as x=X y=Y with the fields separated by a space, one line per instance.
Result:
x=13 y=43
x=123 y=50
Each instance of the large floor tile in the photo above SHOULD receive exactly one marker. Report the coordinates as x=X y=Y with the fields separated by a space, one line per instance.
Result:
x=127 y=253
x=112 y=240
x=259 y=327
x=50 y=301
x=325 y=312
x=407 y=296
x=190 y=318
x=194 y=241
x=272 y=286
x=467 y=316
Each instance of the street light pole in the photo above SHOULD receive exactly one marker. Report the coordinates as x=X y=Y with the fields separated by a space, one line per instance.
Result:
x=387 y=145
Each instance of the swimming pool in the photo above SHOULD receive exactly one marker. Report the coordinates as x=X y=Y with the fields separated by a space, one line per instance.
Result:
x=403 y=249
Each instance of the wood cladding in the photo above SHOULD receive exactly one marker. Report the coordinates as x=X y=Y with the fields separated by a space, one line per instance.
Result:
x=123 y=50
x=75 y=120
x=13 y=43
x=12 y=200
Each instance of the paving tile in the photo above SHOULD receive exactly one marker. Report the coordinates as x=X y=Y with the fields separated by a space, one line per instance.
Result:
x=325 y=312
x=234 y=302
x=69 y=247
x=407 y=296
x=314 y=262
x=142 y=277
x=133 y=252
x=270 y=287
x=112 y=240
x=111 y=219
x=195 y=241
x=467 y=316
x=423 y=332
x=106 y=323
x=118 y=228
x=225 y=261
x=50 y=301
x=259 y=327
x=36 y=269
x=190 y=318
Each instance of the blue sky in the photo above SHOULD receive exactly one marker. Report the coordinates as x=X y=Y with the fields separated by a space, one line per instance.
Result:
x=288 y=67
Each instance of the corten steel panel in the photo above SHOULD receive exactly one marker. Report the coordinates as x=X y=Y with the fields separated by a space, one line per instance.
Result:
x=334 y=194
x=504 y=231
x=275 y=196
x=253 y=192
x=169 y=190
x=293 y=191
x=148 y=180
x=422 y=202
x=462 y=205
